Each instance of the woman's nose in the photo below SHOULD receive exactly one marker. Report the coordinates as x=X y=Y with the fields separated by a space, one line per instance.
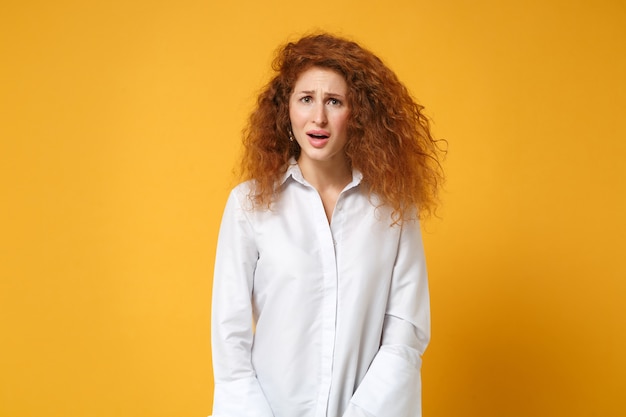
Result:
x=319 y=116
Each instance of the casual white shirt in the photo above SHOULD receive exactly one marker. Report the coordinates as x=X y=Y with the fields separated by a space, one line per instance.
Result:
x=317 y=320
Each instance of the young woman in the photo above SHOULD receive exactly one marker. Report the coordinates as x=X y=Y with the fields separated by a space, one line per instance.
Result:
x=320 y=297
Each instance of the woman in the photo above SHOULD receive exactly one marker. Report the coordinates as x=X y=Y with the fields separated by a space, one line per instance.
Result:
x=320 y=298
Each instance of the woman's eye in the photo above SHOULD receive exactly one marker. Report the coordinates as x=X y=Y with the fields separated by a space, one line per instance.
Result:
x=334 y=102
x=306 y=99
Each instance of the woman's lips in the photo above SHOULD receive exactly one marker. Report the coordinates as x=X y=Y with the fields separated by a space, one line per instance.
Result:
x=318 y=138
x=318 y=133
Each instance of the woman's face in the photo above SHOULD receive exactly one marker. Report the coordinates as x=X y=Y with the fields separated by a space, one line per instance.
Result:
x=319 y=113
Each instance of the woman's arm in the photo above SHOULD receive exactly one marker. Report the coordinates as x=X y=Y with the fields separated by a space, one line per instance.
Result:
x=392 y=385
x=237 y=391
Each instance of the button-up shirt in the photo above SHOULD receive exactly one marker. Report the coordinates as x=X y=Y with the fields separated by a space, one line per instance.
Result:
x=311 y=319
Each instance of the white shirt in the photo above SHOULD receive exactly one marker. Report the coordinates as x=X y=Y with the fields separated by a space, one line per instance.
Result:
x=317 y=320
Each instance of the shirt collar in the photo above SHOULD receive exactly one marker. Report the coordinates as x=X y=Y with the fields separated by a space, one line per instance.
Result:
x=293 y=171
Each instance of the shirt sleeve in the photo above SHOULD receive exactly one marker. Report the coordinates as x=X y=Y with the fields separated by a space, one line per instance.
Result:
x=392 y=384
x=237 y=391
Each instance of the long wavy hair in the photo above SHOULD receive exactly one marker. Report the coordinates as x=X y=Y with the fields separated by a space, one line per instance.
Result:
x=389 y=137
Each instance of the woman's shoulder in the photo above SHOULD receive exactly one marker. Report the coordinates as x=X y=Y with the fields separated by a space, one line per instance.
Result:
x=243 y=187
x=242 y=192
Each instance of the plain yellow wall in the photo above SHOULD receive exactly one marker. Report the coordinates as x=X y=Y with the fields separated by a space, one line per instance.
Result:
x=119 y=127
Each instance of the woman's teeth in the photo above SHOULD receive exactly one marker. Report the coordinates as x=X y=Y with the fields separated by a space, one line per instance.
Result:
x=314 y=136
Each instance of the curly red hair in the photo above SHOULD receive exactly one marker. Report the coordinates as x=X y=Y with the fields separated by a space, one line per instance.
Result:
x=389 y=138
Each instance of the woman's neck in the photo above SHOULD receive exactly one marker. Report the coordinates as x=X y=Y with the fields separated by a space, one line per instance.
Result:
x=329 y=178
x=326 y=175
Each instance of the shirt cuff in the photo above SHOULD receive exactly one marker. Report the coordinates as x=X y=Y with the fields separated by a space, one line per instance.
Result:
x=240 y=398
x=391 y=387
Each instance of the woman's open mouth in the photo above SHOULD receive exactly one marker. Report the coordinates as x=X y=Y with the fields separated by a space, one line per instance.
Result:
x=318 y=135
x=318 y=139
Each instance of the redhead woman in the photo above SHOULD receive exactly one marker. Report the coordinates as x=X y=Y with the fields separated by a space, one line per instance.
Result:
x=320 y=294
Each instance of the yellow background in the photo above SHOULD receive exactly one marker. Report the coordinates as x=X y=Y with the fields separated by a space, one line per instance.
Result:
x=119 y=127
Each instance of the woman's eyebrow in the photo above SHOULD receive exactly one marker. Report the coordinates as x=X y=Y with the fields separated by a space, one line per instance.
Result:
x=312 y=92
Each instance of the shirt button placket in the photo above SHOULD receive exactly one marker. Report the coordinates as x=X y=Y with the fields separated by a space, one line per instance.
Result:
x=329 y=303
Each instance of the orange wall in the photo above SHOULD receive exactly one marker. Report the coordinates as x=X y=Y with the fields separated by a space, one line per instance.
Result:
x=119 y=126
